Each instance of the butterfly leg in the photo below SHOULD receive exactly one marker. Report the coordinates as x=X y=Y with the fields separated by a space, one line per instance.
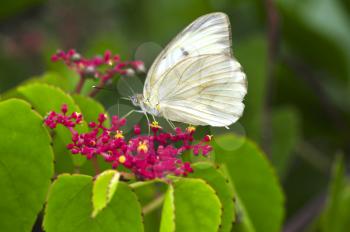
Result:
x=148 y=123
x=171 y=124
x=130 y=112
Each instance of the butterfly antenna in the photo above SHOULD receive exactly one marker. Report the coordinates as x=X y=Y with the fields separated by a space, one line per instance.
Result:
x=102 y=88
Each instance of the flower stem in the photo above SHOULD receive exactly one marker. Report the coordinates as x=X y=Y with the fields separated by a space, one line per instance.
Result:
x=95 y=164
x=153 y=205
x=80 y=85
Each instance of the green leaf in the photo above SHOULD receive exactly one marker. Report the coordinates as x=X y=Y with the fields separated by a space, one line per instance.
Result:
x=285 y=137
x=69 y=208
x=44 y=99
x=254 y=182
x=193 y=205
x=256 y=70
x=335 y=218
x=26 y=165
x=168 y=212
x=51 y=78
x=151 y=193
x=223 y=189
x=330 y=34
x=103 y=190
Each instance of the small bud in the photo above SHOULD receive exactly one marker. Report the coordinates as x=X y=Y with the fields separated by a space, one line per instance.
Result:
x=76 y=57
x=137 y=130
x=130 y=72
x=207 y=138
x=64 y=108
x=89 y=70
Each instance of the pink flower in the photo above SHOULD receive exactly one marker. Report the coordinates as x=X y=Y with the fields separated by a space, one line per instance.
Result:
x=101 y=67
x=147 y=156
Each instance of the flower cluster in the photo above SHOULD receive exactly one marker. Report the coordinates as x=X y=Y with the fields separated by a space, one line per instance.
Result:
x=101 y=67
x=147 y=156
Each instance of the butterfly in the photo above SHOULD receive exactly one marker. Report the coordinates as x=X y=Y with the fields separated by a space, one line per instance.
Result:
x=195 y=79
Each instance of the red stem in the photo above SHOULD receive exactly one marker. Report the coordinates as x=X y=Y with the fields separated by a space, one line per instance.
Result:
x=95 y=164
x=80 y=85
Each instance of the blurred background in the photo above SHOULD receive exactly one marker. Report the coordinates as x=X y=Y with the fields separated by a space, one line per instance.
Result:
x=296 y=55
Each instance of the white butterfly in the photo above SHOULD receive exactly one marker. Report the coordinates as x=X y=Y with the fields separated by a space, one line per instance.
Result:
x=196 y=79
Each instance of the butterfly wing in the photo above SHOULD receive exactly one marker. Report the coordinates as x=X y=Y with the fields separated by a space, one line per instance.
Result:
x=209 y=91
x=209 y=34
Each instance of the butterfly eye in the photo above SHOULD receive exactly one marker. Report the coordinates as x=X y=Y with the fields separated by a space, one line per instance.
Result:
x=134 y=100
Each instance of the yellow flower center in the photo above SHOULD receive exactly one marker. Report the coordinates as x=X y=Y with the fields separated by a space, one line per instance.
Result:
x=122 y=159
x=191 y=129
x=142 y=147
x=119 y=135
x=155 y=124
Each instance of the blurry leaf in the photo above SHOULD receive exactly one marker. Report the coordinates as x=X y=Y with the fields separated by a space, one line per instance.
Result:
x=103 y=190
x=56 y=79
x=11 y=8
x=50 y=78
x=223 y=189
x=191 y=205
x=26 y=165
x=46 y=98
x=254 y=181
x=69 y=208
x=337 y=212
x=285 y=135
x=252 y=55
x=169 y=28
x=320 y=31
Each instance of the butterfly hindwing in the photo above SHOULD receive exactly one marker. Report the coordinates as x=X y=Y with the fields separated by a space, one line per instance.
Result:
x=209 y=91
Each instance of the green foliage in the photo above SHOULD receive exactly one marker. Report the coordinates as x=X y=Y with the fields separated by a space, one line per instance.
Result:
x=69 y=207
x=46 y=98
x=10 y=8
x=335 y=217
x=254 y=181
x=223 y=189
x=256 y=71
x=191 y=205
x=26 y=165
x=330 y=34
x=299 y=115
x=285 y=138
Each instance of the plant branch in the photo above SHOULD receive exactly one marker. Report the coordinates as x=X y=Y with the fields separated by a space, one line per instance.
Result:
x=80 y=85
x=95 y=165
x=153 y=205
x=303 y=218
x=306 y=75
x=273 y=45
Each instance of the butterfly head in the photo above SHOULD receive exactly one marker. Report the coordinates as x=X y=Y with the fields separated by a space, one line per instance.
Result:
x=144 y=104
x=136 y=99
